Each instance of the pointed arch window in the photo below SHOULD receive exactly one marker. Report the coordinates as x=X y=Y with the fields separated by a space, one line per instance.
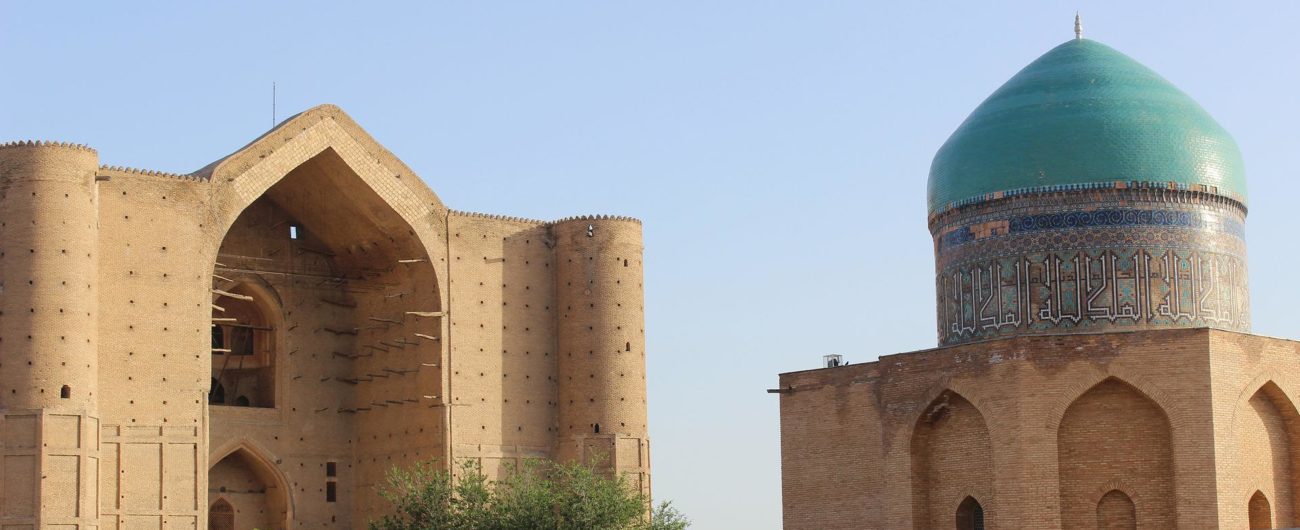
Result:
x=970 y=515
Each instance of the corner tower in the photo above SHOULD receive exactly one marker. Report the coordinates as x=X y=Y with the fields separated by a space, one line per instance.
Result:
x=1087 y=194
x=601 y=336
x=49 y=457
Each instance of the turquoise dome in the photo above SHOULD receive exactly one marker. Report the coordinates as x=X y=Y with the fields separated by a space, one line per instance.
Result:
x=1084 y=115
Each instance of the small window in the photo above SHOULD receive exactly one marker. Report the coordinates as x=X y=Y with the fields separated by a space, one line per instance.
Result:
x=331 y=492
x=597 y=428
x=294 y=231
x=331 y=469
x=970 y=515
x=217 y=393
x=218 y=338
x=65 y=392
x=240 y=341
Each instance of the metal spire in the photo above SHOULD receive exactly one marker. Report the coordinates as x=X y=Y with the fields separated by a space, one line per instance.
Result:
x=1078 y=26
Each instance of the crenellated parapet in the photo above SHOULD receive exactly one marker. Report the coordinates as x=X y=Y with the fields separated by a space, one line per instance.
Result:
x=597 y=218
x=122 y=170
x=495 y=217
x=46 y=144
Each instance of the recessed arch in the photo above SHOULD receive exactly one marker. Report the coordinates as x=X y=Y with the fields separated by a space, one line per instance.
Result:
x=1114 y=433
x=970 y=514
x=246 y=364
x=245 y=477
x=1085 y=381
x=1261 y=513
x=249 y=173
x=1116 y=511
x=952 y=460
x=359 y=289
x=221 y=515
x=1268 y=452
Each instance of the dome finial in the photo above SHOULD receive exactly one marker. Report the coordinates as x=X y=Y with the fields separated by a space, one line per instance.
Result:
x=1078 y=26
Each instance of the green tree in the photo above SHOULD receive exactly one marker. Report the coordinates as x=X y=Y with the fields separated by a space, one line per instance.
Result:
x=539 y=495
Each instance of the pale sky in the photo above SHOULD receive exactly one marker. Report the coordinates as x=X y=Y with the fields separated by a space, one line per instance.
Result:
x=777 y=152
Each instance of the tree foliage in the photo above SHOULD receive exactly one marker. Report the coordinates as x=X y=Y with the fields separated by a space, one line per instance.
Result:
x=539 y=495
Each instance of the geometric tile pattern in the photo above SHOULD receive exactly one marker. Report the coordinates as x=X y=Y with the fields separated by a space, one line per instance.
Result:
x=1089 y=263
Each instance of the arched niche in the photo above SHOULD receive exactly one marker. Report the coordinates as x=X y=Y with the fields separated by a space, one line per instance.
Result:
x=1116 y=511
x=221 y=515
x=255 y=493
x=1113 y=433
x=352 y=295
x=1268 y=438
x=246 y=318
x=970 y=515
x=952 y=460
x=1261 y=514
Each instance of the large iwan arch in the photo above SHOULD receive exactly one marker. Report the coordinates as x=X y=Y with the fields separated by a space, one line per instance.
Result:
x=1114 y=433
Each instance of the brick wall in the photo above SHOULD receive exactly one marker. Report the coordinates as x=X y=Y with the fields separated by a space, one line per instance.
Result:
x=1158 y=415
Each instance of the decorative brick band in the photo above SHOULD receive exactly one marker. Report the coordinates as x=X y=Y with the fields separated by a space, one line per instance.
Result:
x=1112 y=185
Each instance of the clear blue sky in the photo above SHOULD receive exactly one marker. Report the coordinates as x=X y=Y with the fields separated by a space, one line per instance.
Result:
x=777 y=151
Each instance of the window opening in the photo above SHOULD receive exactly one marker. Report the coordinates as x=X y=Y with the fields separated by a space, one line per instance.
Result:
x=331 y=492
x=294 y=232
x=330 y=469
x=217 y=393
x=240 y=341
x=65 y=392
x=970 y=515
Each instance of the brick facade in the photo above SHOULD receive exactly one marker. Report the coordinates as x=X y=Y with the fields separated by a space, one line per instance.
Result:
x=1058 y=431
x=264 y=338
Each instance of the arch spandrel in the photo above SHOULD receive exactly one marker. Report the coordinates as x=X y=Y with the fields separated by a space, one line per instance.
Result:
x=249 y=173
x=1280 y=380
x=1082 y=383
x=968 y=392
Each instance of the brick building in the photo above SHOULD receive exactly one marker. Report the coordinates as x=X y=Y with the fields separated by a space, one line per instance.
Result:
x=1095 y=367
x=253 y=345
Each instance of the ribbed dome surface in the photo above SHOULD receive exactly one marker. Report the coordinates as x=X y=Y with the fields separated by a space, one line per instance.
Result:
x=1084 y=115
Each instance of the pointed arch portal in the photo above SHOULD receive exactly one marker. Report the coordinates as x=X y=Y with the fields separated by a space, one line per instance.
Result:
x=250 y=493
x=325 y=279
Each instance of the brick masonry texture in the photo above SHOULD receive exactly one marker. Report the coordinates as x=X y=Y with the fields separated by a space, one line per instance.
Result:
x=167 y=349
x=1156 y=428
